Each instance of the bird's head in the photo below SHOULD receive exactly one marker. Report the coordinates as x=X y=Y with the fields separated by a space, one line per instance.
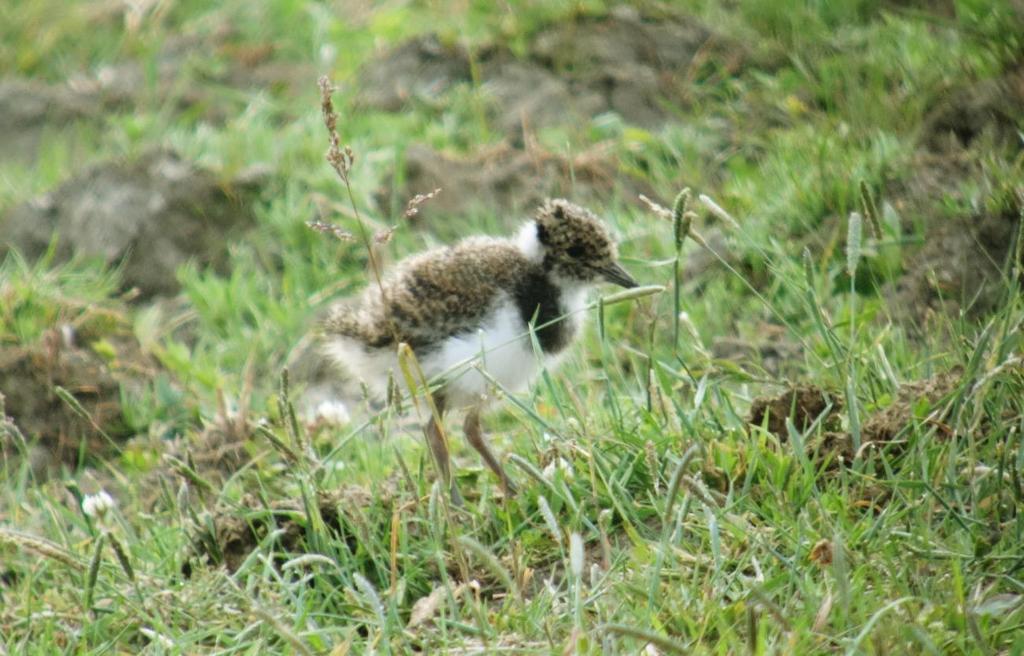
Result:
x=571 y=243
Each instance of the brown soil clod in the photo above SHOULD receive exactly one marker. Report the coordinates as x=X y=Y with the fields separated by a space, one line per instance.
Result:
x=885 y=425
x=807 y=404
x=503 y=177
x=233 y=532
x=991 y=107
x=635 y=66
x=960 y=268
x=804 y=404
x=422 y=68
x=28 y=108
x=769 y=348
x=207 y=458
x=94 y=370
x=639 y=68
x=211 y=456
x=151 y=214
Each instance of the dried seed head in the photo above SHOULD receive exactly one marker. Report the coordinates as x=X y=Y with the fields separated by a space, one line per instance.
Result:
x=384 y=236
x=867 y=201
x=659 y=210
x=549 y=519
x=340 y=158
x=40 y=546
x=576 y=554
x=651 y=457
x=718 y=211
x=821 y=552
x=330 y=228
x=413 y=207
x=853 y=243
x=682 y=218
x=326 y=105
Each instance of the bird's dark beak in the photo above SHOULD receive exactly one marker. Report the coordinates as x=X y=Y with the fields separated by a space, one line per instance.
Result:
x=616 y=274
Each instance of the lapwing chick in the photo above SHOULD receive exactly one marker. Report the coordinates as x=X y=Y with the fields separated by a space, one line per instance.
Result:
x=472 y=308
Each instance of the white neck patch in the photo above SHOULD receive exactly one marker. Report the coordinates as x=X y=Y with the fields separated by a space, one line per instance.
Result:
x=528 y=243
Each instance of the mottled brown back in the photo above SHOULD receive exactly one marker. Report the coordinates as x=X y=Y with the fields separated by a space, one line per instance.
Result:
x=433 y=295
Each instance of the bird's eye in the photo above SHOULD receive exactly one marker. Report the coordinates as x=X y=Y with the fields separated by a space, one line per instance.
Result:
x=575 y=250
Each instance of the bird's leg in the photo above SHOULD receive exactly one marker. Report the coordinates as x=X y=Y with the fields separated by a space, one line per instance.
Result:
x=475 y=436
x=434 y=433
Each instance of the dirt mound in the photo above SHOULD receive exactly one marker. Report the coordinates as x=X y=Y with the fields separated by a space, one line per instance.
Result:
x=769 y=348
x=233 y=532
x=422 y=69
x=207 y=458
x=218 y=60
x=916 y=401
x=637 y=67
x=506 y=178
x=987 y=107
x=197 y=73
x=958 y=269
x=804 y=404
x=149 y=215
x=95 y=367
x=29 y=107
x=943 y=8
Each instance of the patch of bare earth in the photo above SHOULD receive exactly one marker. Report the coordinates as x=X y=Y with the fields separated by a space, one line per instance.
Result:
x=181 y=77
x=233 y=532
x=987 y=108
x=149 y=215
x=804 y=405
x=807 y=406
x=640 y=67
x=95 y=365
x=29 y=108
x=962 y=264
x=505 y=177
x=768 y=348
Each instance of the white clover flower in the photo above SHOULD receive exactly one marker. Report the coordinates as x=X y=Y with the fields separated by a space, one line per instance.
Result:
x=98 y=505
x=332 y=412
x=559 y=465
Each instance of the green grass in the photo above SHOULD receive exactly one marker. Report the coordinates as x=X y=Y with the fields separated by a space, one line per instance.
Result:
x=650 y=511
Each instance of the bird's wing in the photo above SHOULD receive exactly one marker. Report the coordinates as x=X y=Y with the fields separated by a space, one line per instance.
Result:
x=433 y=295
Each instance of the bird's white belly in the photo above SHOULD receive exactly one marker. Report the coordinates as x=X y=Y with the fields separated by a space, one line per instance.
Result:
x=501 y=347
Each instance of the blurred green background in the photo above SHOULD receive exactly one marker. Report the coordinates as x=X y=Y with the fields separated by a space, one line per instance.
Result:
x=160 y=160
